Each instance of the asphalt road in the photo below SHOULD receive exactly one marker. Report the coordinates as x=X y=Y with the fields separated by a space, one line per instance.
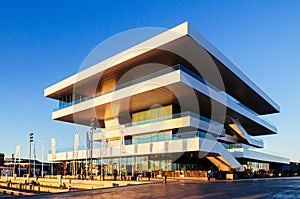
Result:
x=260 y=188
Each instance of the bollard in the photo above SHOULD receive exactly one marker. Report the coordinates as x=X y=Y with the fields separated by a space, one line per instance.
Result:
x=6 y=177
x=28 y=178
x=59 y=180
x=20 y=186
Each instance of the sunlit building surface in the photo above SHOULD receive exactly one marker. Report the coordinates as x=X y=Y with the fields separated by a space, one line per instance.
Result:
x=170 y=103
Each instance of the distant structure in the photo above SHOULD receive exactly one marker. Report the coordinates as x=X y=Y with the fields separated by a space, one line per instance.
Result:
x=2 y=159
x=140 y=120
x=20 y=167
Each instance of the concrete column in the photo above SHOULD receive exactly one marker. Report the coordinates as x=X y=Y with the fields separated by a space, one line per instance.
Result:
x=65 y=168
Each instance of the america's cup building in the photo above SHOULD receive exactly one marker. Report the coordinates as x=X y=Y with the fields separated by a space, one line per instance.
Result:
x=172 y=102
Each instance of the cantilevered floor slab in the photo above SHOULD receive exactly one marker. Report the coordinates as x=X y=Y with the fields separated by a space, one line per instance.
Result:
x=165 y=89
x=181 y=44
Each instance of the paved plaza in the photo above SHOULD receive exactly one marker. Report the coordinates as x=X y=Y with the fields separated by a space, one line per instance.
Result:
x=256 y=188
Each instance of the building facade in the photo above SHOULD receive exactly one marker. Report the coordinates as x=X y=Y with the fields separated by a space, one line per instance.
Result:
x=170 y=103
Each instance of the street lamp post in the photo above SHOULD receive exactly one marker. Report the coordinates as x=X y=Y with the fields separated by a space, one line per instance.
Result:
x=30 y=141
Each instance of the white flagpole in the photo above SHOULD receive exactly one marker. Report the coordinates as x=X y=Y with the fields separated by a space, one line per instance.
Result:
x=75 y=155
x=87 y=152
x=34 y=157
x=14 y=166
x=53 y=146
x=43 y=158
x=15 y=158
x=19 y=160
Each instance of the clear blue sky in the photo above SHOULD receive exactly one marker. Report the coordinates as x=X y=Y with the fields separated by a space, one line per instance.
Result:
x=43 y=42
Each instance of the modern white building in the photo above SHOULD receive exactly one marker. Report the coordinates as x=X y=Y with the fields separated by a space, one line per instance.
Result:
x=170 y=103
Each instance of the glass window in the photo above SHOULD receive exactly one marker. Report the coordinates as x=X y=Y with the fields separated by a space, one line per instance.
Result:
x=153 y=113
x=156 y=165
x=147 y=115
x=168 y=135
x=142 y=139
x=154 y=137
x=141 y=116
x=161 y=136
x=135 y=117
x=168 y=110
x=135 y=140
x=161 y=112
x=147 y=138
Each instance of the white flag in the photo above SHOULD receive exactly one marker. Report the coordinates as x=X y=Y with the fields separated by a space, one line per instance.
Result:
x=18 y=151
x=76 y=145
x=43 y=156
x=53 y=147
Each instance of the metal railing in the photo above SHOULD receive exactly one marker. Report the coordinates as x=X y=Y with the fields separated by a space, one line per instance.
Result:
x=174 y=116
